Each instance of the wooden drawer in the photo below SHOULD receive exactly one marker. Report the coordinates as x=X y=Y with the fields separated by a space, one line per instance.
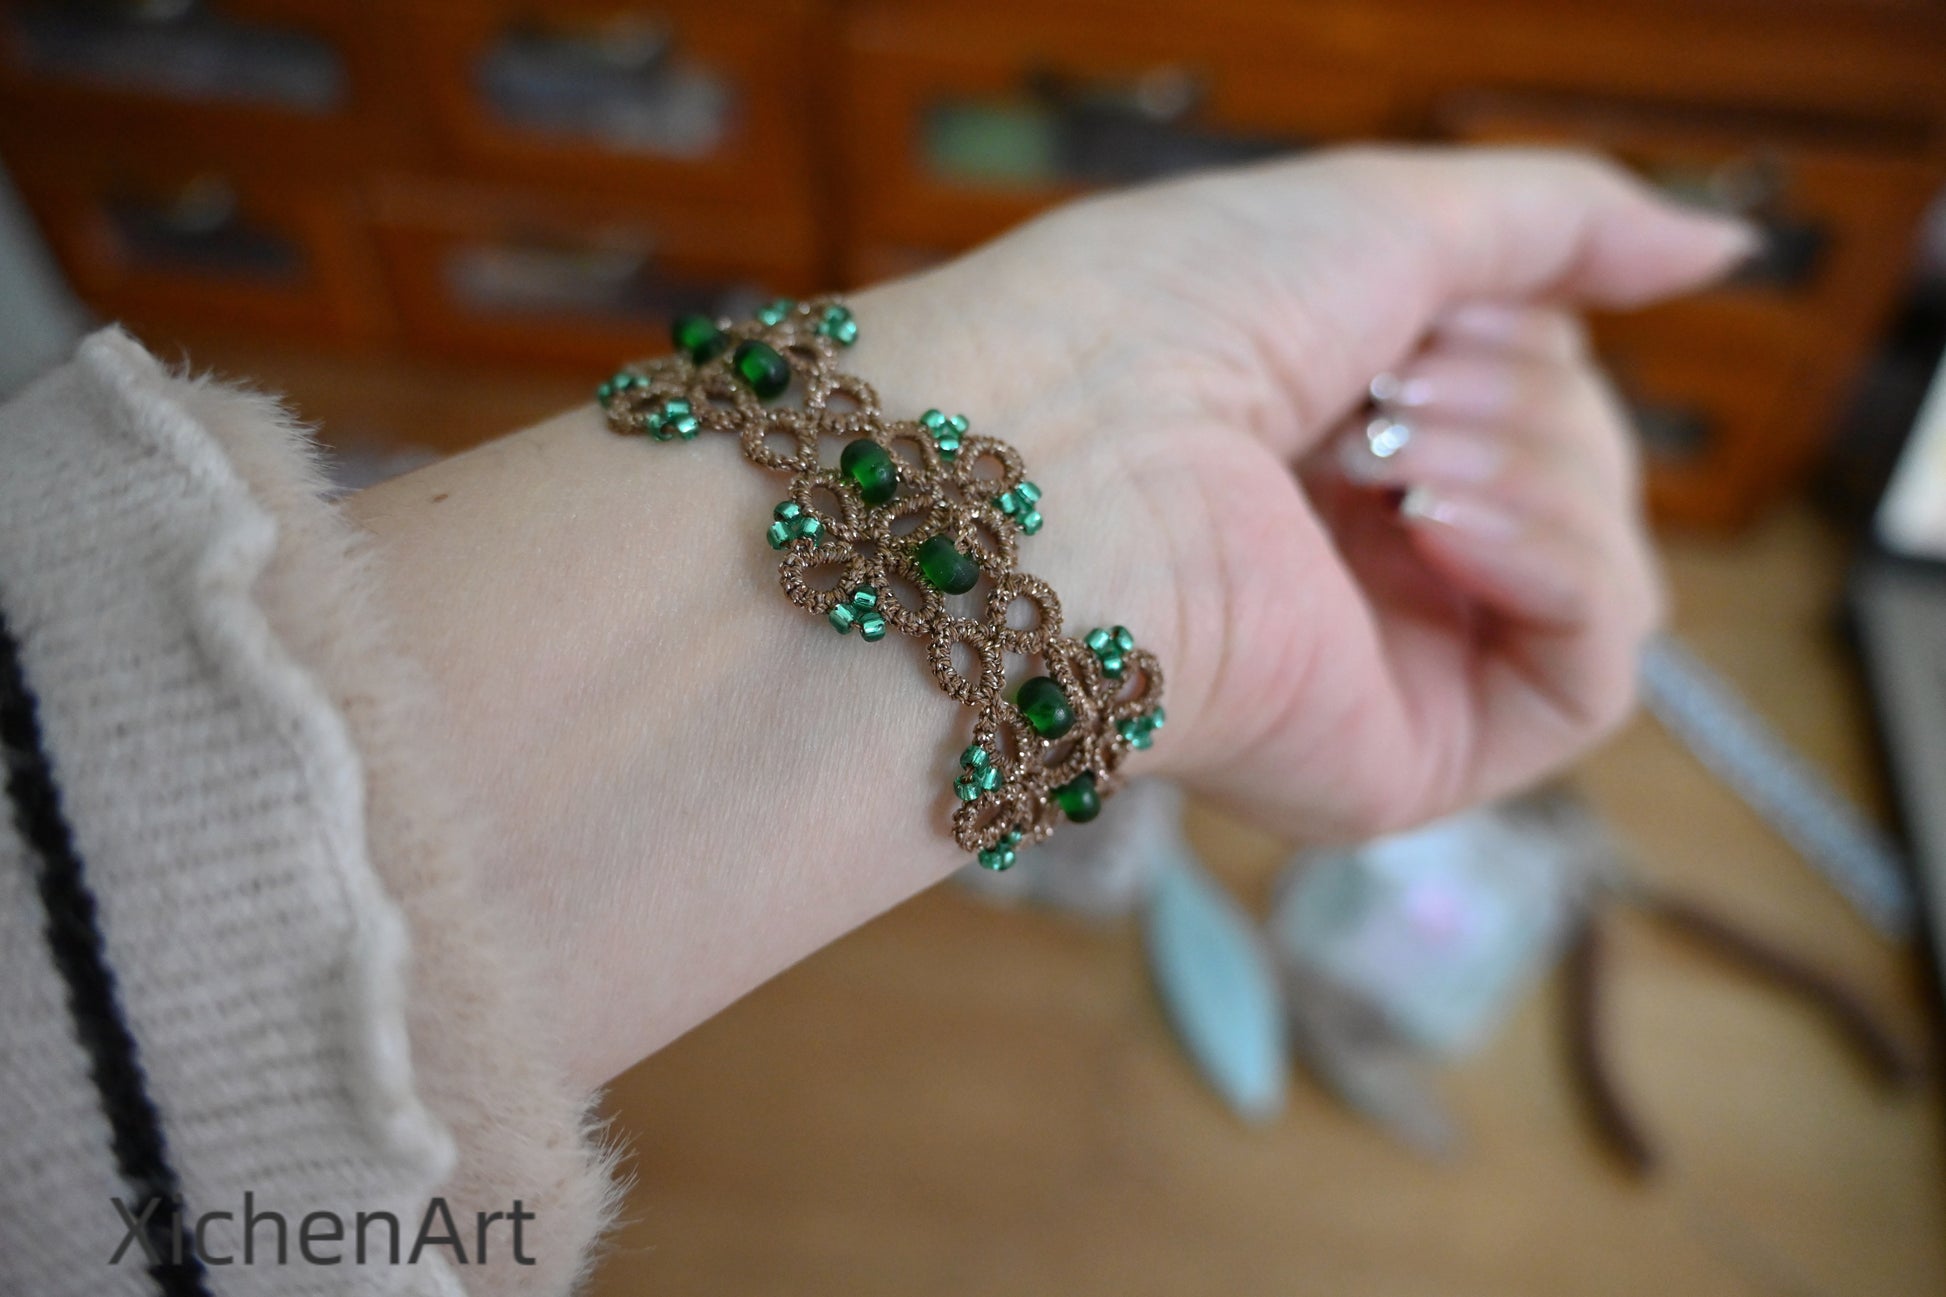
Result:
x=524 y=276
x=280 y=85
x=179 y=242
x=962 y=120
x=1717 y=425
x=691 y=100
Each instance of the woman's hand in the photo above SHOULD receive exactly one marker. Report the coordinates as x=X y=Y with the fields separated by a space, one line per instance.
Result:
x=1338 y=665
x=692 y=787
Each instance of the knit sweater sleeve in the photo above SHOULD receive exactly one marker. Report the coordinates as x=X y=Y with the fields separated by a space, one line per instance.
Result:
x=245 y=969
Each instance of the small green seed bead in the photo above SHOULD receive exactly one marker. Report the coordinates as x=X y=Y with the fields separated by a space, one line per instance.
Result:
x=947 y=447
x=870 y=468
x=1098 y=639
x=864 y=598
x=1031 y=523
x=697 y=337
x=1046 y=708
x=966 y=788
x=786 y=511
x=974 y=757
x=1112 y=665
x=1078 y=799
x=943 y=567
x=871 y=627
x=995 y=859
x=1028 y=492
x=1156 y=718
x=808 y=526
x=774 y=313
x=778 y=535
x=839 y=326
x=1007 y=504
x=761 y=368
x=841 y=617
x=1124 y=640
x=989 y=778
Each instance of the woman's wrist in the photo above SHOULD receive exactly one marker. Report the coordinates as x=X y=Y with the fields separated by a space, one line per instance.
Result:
x=666 y=745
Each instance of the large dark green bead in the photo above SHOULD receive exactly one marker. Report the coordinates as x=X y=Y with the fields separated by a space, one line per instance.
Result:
x=871 y=470
x=761 y=368
x=697 y=337
x=1078 y=799
x=944 y=567
x=1046 y=708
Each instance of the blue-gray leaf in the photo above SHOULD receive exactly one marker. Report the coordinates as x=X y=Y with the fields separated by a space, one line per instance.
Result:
x=1220 y=990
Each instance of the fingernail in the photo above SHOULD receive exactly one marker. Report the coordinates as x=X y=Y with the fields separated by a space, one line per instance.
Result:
x=1366 y=455
x=1454 y=457
x=1465 y=515
x=1401 y=392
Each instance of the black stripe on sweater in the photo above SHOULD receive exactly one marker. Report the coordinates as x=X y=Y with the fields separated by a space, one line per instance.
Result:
x=74 y=941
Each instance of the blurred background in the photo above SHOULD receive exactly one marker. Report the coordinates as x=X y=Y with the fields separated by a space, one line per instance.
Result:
x=429 y=222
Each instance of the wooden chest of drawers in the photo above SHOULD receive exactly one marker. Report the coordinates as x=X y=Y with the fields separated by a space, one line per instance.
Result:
x=514 y=182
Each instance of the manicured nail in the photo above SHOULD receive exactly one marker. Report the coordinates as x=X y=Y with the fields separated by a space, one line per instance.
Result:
x=1396 y=391
x=1365 y=455
x=1457 y=457
x=1465 y=515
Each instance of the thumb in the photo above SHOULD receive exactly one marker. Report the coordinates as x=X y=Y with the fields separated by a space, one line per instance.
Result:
x=1564 y=227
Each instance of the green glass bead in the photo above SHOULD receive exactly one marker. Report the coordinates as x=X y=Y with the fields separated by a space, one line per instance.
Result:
x=779 y=535
x=870 y=468
x=871 y=627
x=989 y=778
x=1010 y=839
x=1046 y=708
x=697 y=337
x=966 y=788
x=1031 y=523
x=994 y=858
x=974 y=757
x=1112 y=664
x=1029 y=492
x=786 y=511
x=774 y=313
x=1008 y=504
x=838 y=325
x=864 y=598
x=841 y=617
x=808 y=526
x=1098 y=639
x=1078 y=799
x=943 y=567
x=761 y=368
x=1124 y=640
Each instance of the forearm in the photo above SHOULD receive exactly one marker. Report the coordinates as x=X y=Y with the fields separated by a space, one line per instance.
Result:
x=692 y=783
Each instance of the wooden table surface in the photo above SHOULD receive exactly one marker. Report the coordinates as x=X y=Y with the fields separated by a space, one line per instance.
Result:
x=963 y=1100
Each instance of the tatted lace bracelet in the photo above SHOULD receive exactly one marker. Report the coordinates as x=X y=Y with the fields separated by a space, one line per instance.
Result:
x=924 y=502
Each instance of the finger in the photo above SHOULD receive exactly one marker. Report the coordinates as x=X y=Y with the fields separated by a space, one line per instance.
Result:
x=1395 y=238
x=1565 y=633
x=1467 y=407
x=1515 y=224
x=1546 y=333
